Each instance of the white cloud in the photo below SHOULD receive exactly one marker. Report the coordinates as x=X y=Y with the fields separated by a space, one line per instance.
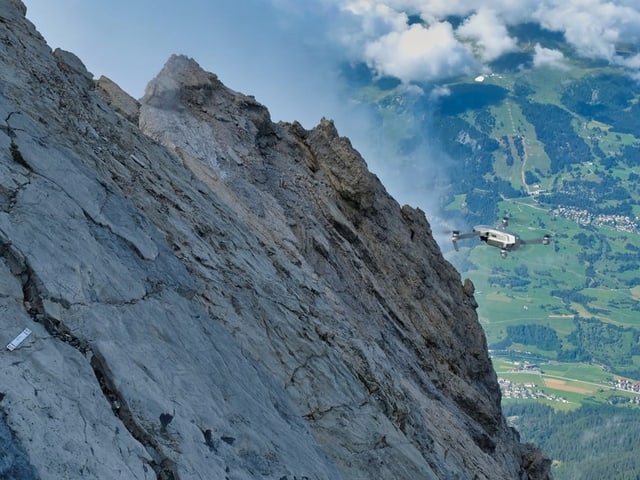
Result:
x=419 y=54
x=378 y=17
x=439 y=91
x=632 y=62
x=547 y=57
x=488 y=33
x=593 y=27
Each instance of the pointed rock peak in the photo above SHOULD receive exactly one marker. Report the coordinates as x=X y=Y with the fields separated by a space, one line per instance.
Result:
x=180 y=71
x=182 y=85
x=328 y=127
x=186 y=71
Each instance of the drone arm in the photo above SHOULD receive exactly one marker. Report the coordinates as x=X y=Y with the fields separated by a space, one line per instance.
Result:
x=456 y=235
x=462 y=236
x=544 y=241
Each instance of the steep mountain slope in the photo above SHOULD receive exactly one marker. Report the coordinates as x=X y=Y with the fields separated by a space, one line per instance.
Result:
x=213 y=295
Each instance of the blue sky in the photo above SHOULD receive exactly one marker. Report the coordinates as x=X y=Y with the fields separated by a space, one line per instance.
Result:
x=251 y=45
x=287 y=53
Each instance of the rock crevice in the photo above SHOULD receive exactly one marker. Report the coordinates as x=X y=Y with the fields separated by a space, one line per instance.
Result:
x=34 y=304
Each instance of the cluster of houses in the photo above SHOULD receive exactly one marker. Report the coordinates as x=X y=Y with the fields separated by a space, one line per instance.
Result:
x=626 y=385
x=512 y=390
x=621 y=223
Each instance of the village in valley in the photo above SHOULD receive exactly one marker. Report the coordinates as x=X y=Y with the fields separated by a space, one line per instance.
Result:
x=530 y=390
x=622 y=223
x=527 y=390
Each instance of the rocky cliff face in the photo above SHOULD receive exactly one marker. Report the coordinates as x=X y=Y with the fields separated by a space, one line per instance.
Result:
x=213 y=295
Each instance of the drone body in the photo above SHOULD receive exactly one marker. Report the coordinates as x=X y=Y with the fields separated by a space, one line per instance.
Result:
x=497 y=237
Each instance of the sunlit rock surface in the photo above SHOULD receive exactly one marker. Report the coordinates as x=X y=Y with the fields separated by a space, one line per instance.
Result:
x=213 y=295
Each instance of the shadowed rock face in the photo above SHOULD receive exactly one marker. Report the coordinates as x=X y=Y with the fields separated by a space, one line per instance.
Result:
x=213 y=295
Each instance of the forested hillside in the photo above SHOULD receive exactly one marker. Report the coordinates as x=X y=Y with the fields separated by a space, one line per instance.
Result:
x=596 y=441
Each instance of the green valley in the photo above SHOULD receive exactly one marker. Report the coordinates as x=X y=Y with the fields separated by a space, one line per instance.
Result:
x=558 y=150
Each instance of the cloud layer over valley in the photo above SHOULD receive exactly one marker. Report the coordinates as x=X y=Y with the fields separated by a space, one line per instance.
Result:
x=426 y=40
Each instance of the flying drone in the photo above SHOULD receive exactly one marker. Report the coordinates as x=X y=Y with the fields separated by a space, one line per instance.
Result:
x=498 y=237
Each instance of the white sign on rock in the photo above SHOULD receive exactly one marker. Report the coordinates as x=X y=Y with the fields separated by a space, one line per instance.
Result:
x=15 y=343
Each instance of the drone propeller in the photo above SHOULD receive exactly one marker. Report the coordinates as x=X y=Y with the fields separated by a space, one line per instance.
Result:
x=456 y=235
x=507 y=218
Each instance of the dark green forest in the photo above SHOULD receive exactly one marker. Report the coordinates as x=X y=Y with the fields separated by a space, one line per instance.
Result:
x=553 y=128
x=607 y=98
x=594 y=442
x=591 y=341
x=539 y=336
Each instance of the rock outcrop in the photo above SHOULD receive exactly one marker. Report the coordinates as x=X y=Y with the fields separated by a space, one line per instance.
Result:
x=214 y=295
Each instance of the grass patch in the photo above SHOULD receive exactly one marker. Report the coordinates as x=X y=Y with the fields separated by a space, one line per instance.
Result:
x=16 y=155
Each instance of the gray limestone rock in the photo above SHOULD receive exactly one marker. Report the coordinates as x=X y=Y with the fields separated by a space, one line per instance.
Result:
x=73 y=67
x=14 y=464
x=213 y=295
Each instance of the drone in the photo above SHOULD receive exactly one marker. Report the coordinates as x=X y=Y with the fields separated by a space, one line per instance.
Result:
x=498 y=237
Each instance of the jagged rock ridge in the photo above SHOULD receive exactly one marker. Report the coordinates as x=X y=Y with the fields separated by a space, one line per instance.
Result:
x=213 y=295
